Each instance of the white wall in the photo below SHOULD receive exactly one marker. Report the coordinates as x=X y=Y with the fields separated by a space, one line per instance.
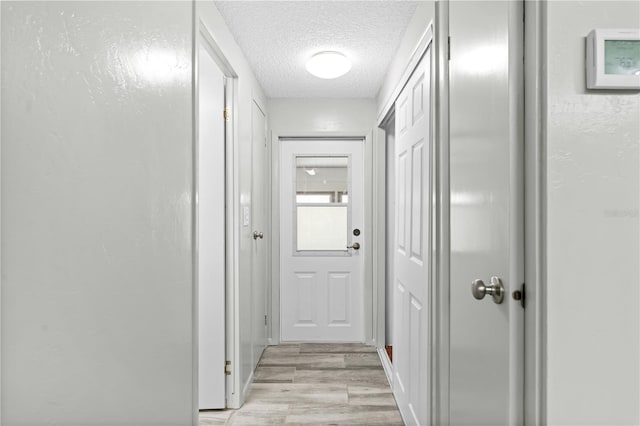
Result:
x=97 y=182
x=97 y=303
x=423 y=16
x=248 y=90
x=305 y=116
x=592 y=156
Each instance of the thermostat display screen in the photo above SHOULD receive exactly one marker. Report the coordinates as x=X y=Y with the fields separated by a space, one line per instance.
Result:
x=622 y=57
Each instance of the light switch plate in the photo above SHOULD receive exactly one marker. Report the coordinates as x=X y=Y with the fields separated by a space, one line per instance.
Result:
x=245 y=216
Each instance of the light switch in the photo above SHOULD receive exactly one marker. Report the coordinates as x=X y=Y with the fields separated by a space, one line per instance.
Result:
x=245 y=216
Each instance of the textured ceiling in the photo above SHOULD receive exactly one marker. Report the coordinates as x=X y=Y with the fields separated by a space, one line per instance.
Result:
x=277 y=37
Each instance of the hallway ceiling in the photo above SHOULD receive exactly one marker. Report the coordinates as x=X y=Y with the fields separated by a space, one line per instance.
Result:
x=277 y=38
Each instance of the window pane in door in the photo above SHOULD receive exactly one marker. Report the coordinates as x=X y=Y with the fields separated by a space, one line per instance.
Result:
x=322 y=203
x=318 y=198
x=322 y=228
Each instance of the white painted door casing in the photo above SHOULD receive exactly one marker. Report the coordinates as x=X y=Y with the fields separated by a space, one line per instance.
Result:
x=412 y=248
x=321 y=293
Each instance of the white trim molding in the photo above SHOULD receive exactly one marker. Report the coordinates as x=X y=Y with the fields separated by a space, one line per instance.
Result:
x=418 y=53
x=535 y=222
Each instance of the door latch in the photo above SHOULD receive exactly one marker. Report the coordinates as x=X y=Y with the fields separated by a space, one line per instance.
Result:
x=520 y=295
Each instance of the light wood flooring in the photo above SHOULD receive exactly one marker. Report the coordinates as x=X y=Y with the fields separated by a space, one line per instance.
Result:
x=315 y=384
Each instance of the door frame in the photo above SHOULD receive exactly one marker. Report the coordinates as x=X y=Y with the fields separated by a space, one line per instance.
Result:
x=370 y=296
x=204 y=36
x=535 y=83
x=439 y=257
x=535 y=220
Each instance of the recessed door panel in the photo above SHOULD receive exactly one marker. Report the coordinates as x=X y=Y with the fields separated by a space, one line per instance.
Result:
x=339 y=294
x=401 y=356
x=401 y=234
x=418 y=101
x=417 y=201
x=402 y=116
x=305 y=288
x=417 y=394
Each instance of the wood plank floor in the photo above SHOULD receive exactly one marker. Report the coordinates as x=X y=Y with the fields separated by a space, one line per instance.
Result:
x=315 y=384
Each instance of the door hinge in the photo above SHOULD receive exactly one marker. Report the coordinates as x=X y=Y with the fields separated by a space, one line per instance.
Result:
x=227 y=364
x=520 y=295
x=226 y=114
x=449 y=48
x=265 y=320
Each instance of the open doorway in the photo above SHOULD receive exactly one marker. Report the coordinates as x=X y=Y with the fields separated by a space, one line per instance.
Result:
x=210 y=228
x=390 y=134
x=213 y=236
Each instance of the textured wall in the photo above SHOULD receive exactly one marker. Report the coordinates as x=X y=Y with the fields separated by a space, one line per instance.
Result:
x=593 y=140
x=96 y=213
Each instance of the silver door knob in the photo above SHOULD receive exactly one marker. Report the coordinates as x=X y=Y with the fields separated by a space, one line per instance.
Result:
x=257 y=235
x=495 y=289
x=355 y=246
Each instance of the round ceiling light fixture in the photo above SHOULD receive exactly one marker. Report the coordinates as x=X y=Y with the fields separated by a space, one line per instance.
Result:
x=328 y=64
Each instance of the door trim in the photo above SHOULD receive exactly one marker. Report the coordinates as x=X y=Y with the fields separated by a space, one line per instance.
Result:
x=203 y=35
x=440 y=297
x=370 y=296
x=535 y=220
x=412 y=63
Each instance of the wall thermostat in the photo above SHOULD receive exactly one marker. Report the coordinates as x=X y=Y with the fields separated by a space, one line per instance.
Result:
x=613 y=59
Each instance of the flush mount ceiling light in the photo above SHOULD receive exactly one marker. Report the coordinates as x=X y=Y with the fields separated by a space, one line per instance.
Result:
x=328 y=64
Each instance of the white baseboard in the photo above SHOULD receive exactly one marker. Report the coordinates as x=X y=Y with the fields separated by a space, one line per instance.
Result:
x=246 y=387
x=386 y=364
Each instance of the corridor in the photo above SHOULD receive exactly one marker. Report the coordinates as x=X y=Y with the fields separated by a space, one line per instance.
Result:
x=315 y=383
x=185 y=185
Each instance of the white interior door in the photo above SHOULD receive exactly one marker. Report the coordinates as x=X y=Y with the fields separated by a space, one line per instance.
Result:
x=321 y=213
x=412 y=246
x=487 y=213
x=260 y=240
x=210 y=233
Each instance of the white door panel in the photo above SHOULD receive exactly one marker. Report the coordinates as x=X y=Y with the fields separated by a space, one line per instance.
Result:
x=211 y=233
x=322 y=288
x=258 y=221
x=486 y=353
x=411 y=270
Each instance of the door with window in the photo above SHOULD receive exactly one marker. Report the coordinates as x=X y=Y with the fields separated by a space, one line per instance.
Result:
x=322 y=233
